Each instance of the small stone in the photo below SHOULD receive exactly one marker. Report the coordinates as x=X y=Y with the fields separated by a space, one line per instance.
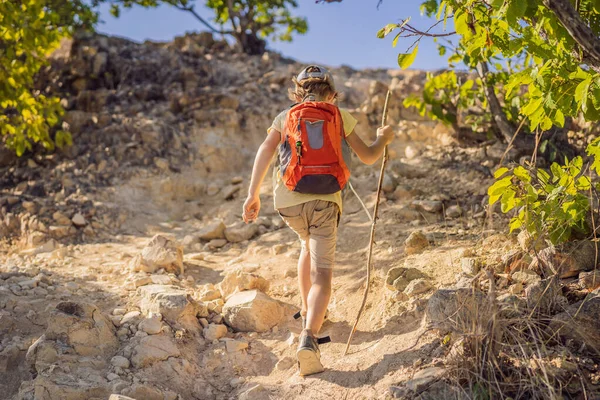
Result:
x=212 y=189
x=278 y=249
x=470 y=266
x=120 y=362
x=119 y=311
x=257 y=392
x=416 y=243
x=291 y=272
x=79 y=220
x=235 y=345
x=230 y=191
x=130 y=317
x=151 y=326
x=112 y=376
x=161 y=163
x=217 y=319
x=146 y=280
x=423 y=378
x=209 y=295
x=589 y=280
x=214 y=230
x=516 y=288
x=388 y=184
x=454 y=211
x=526 y=276
x=240 y=232
x=235 y=382
x=398 y=297
x=203 y=322
x=252 y=311
x=545 y=295
x=416 y=287
x=397 y=278
x=214 y=331
x=432 y=206
x=154 y=348
x=217 y=243
x=285 y=363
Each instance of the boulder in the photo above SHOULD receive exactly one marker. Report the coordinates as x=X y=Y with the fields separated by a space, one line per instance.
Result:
x=240 y=232
x=238 y=280
x=398 y=278
x=152 y=349
x=457 y=310
x=160 y=253
x=214 y=230
x=579 y=322
x=83 y=327
x=416 y=243
x=252 y=311
x=175 y=305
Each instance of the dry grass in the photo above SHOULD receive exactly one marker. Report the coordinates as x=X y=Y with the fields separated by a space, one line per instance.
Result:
x=508 y=352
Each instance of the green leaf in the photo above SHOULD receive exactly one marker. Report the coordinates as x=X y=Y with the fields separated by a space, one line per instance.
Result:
x=395 y=41
x=405 y=60
x=515 y=223
x=581 y=93
x=115 y=10
x=383 y=32
x=521 y=173
x=499 y=172
x=515 y=11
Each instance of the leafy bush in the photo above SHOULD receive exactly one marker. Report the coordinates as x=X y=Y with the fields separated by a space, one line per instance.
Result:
x=552 y=204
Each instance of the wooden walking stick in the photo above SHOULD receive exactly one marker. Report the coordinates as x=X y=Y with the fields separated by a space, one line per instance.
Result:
x=373 y=222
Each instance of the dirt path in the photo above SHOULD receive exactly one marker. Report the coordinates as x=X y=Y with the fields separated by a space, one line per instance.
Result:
x=389 y=343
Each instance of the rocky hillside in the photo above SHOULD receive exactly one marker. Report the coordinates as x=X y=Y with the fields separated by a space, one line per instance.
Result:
x=125 y=269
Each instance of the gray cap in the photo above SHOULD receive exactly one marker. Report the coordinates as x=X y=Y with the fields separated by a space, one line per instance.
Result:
x=318 y=72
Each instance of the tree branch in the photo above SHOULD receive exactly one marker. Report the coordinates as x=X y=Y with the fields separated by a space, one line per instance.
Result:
x=577 y=28
x=504 y=126
x=191 y=10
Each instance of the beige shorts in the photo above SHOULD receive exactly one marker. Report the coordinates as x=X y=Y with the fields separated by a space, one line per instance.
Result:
x=315 y=222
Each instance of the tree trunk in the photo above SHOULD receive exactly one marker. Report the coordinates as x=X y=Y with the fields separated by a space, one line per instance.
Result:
x=507 y=130
x=577 y=28
x=251 y=44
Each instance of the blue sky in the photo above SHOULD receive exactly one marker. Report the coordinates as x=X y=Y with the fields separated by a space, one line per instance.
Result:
x=339 y=33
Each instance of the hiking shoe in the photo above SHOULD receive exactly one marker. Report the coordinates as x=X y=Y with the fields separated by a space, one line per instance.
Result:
x=309 y=356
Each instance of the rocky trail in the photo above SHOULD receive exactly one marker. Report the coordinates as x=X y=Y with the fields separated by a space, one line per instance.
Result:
x=126 y=269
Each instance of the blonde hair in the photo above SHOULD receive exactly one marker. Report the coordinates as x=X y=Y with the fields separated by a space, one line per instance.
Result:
x=312 y=86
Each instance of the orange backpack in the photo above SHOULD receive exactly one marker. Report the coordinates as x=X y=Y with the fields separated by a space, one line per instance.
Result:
x=314 y=155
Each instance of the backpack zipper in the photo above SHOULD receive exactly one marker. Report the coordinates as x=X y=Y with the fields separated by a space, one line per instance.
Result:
x=299 y=142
